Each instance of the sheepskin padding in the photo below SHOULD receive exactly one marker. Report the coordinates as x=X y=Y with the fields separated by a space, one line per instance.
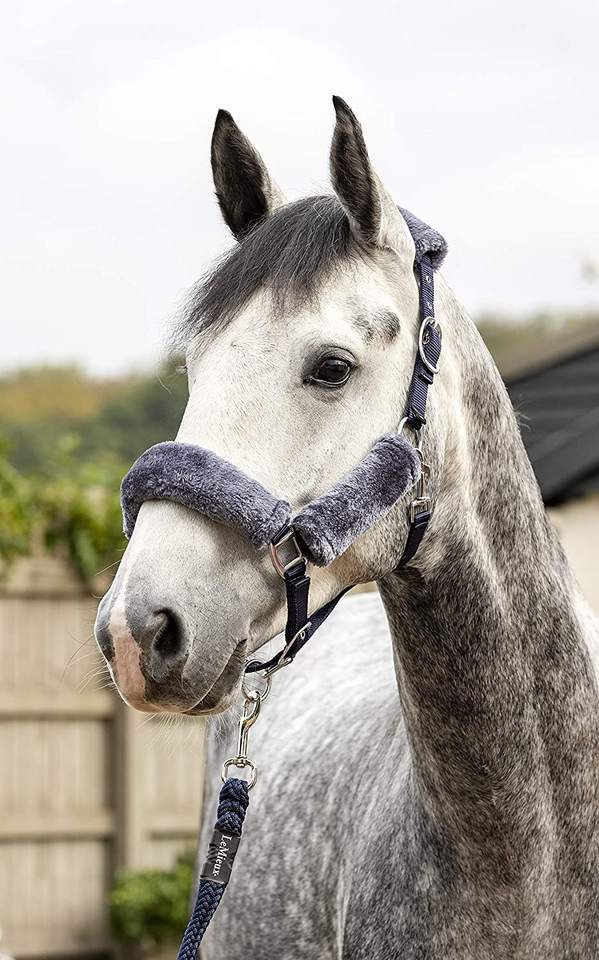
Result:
x=329 y=525
x=427 y=240
x=201 y=480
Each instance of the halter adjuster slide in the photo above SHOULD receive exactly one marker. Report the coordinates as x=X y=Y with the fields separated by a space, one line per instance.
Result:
x=284 y=658
x=289 y=541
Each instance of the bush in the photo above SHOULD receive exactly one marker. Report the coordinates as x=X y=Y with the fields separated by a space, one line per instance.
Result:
x=150 y=908
x=79 y=509
x=73 y=508
x=16 y=513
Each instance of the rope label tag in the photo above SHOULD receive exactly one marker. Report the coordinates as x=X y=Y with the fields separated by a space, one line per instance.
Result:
x=221 y=854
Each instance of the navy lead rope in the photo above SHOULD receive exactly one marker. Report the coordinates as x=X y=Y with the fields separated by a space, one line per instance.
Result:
x=232 y=805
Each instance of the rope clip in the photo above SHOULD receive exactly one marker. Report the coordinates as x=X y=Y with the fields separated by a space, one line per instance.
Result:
x=253 y=700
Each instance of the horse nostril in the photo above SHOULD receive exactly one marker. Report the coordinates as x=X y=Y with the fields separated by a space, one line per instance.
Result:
x=167 y=640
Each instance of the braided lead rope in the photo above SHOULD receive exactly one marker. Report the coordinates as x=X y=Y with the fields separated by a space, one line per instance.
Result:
x=232 y=805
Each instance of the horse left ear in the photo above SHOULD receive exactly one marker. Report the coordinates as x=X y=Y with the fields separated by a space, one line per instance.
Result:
x=246 y=193
x=373 y=215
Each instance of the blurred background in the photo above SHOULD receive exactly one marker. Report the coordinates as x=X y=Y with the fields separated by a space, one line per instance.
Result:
x=479 y=119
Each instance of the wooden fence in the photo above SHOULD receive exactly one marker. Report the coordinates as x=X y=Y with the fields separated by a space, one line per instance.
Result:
x=86 y=784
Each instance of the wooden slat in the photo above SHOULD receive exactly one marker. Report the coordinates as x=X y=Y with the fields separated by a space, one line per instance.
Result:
x=46 y=943
x=42 y=576
x=29 y=705
x=172 y=825
x=73 y=826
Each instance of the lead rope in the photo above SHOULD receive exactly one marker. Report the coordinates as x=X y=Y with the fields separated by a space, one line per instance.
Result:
x=234 y=794
x=232 y=805
x=233 y=802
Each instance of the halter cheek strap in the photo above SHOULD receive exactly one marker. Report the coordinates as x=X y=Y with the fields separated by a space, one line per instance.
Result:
x=426 y=367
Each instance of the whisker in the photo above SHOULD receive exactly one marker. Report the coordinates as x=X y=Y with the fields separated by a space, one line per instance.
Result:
x=74 y=654
x=110 y=565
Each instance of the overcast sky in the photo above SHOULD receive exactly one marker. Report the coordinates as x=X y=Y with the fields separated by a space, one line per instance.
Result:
x=481 y=118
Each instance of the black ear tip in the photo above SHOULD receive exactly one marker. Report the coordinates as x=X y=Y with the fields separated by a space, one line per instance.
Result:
x=341 y=107
x=222 y=117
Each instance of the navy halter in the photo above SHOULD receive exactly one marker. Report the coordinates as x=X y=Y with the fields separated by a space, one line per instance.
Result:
x=286 y=549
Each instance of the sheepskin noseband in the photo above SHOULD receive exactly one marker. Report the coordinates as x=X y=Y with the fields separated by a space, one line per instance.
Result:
x=201 y=480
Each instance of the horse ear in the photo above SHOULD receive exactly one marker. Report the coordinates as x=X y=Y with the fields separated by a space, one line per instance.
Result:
x=245 y=192
x=373 y=215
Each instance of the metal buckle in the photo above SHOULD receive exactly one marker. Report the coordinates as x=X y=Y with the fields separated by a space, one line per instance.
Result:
x=280 y=565
x=426 y=323
x=284 y=660
x=418 y=506
x=421 y=502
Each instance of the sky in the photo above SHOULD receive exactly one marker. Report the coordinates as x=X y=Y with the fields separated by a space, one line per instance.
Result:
x=481 y=118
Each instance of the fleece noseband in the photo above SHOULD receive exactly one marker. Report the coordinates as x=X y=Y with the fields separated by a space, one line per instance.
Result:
x=202 y=481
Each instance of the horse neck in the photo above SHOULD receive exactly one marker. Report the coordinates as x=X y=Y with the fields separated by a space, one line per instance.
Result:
x=495 y=679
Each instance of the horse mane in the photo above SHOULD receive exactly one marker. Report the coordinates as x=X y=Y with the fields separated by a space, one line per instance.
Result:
x=291 y=253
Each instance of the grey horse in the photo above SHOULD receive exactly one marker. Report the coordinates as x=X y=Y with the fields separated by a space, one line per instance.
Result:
x=428 y=782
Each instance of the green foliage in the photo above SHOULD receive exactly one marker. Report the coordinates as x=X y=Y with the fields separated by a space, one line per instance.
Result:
x=74 y=510
x=151 y=907
x=15 y=512
x=79 y=511
x=67 y=442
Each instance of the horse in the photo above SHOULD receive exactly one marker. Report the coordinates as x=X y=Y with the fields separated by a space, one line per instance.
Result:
x=428 y=783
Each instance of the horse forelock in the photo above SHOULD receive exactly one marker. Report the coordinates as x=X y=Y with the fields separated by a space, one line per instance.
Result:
x=290 y=254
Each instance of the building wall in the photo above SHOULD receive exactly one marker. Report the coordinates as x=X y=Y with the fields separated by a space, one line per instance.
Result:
x=577 y=524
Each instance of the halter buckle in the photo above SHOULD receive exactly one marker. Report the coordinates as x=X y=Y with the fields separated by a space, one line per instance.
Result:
x=282 y=564
x=421 y=502
x=423 y=337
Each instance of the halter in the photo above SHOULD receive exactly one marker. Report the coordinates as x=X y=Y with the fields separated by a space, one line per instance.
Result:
x=201 y=480
x=288 y=557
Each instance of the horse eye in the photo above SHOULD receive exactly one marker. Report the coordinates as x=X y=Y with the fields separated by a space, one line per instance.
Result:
x=332 y=372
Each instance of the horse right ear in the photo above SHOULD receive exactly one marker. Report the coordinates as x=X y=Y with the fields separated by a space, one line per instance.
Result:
x=374 y=217
x=245 y=192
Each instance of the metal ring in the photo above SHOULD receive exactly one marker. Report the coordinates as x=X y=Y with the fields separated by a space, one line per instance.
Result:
x=248 y=693
x=426 y=323
x=240 y=763
x=416 y=431
x=402 y=424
